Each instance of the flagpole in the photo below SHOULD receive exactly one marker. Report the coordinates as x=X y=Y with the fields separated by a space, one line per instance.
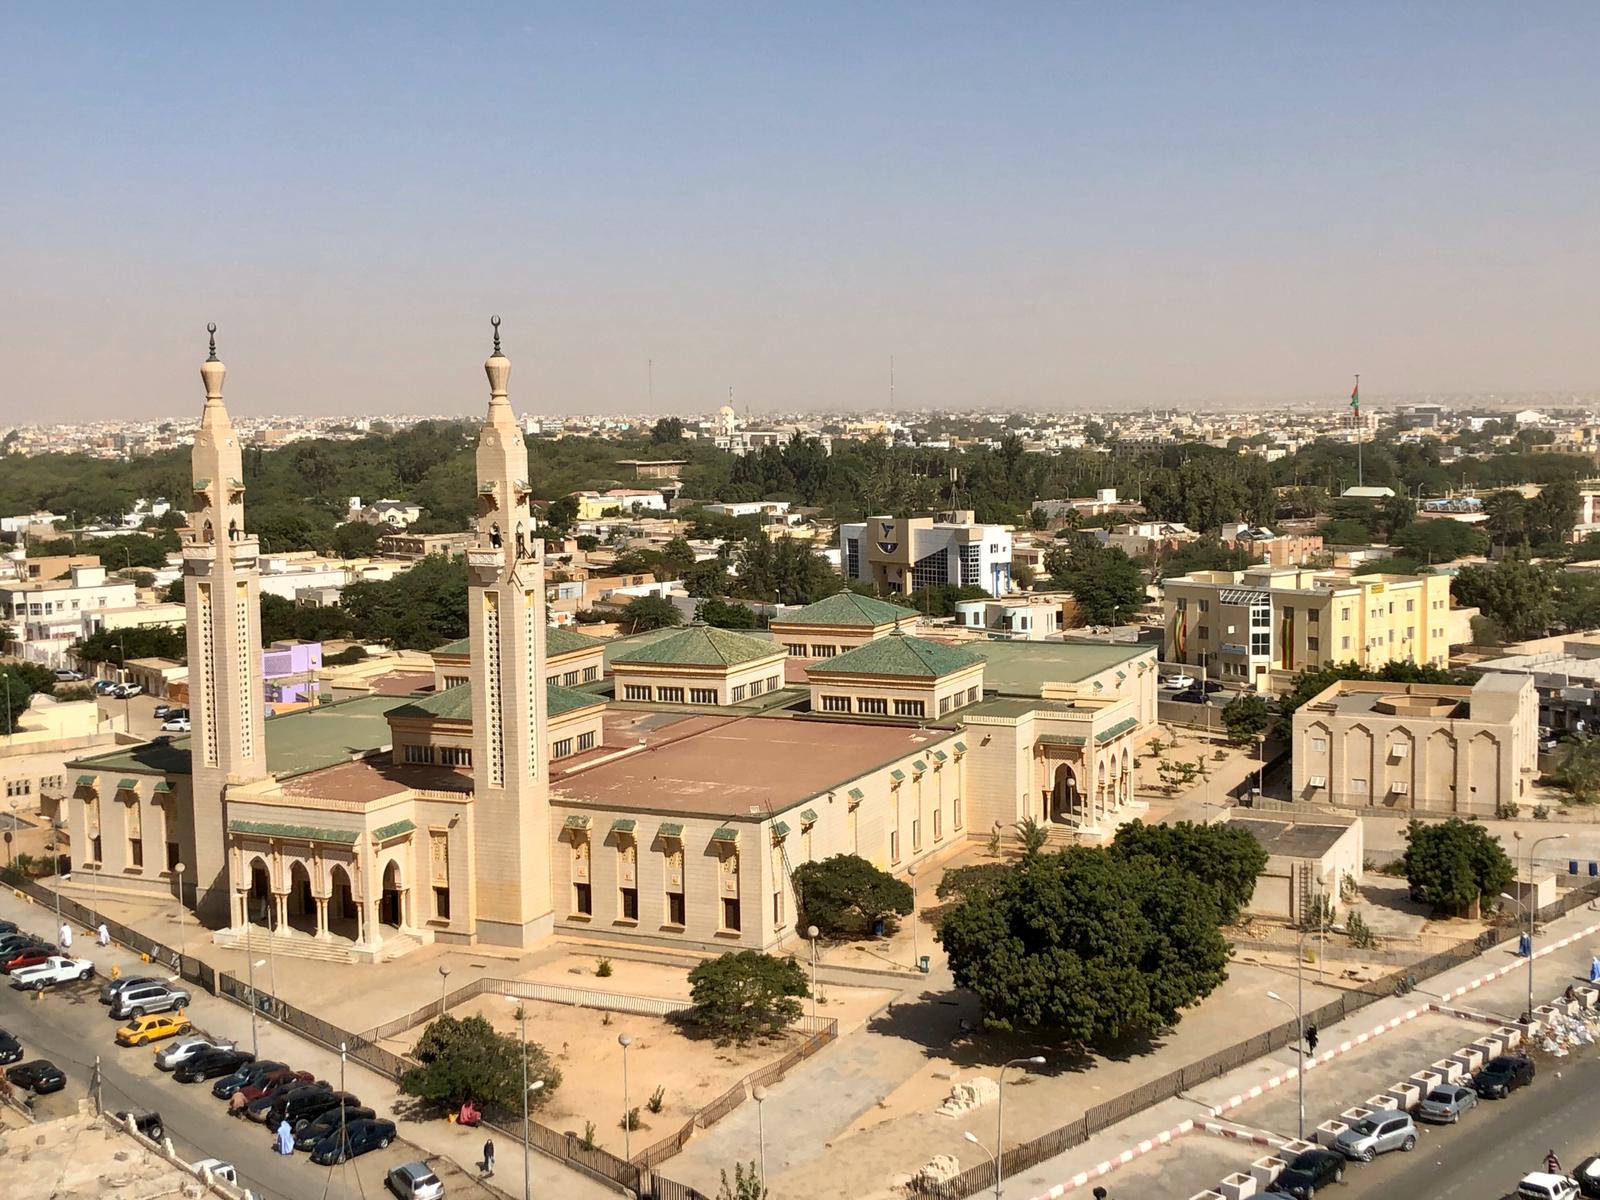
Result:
x=1360 y=479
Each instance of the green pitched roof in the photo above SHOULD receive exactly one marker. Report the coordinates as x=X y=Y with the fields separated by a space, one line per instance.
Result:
x=847 y=608
x=780 y=829
x=565 y=641
x=85 y=780
x=808 y=815
x=897 y=654
x=725 y=835
x=671 y=829
x=624 y=825
x=460 y=648
x=701 y=646
x=857 y=794
x=1121 y=727
x=395 y=830
x=455 y=703
x=274 y=829
x=127 y=785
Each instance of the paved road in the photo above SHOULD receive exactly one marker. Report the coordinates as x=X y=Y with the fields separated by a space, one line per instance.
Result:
x=1484 y=1156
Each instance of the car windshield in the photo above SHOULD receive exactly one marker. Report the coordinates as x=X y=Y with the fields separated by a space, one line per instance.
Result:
x=1366 y=1125
x=1500 y=1066
x=1441 y=1097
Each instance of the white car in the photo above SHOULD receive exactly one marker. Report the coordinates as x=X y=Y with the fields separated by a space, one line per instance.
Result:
x=1541 y=1185
x=219 y=1170
x=175 y=725
x=50 y=972
x=171 y=1057
x=1178 y=680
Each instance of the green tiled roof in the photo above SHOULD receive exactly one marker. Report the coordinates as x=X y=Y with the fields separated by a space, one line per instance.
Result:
x=624 y=825
x=701 y=646
x=940 y=755
x=127 y=785
x=725 y=835
x=780 y=829
x=919 y=765
x=1060 y=739
x=163 y=785
x=579 y=821
x=847 y=608
x=559 y=700
x=455 y=703
x=962 y=747
x=897 y=774
x=311 y=832
x=857 y=794
x=85 y=780
x=808 y=815
x=460 y=648
x=565 y=641
x=1121 y=727
x=897 y=654
x=670 y=829
x=394 y=830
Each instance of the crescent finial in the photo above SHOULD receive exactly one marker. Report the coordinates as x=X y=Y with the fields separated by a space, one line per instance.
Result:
x=211 y=328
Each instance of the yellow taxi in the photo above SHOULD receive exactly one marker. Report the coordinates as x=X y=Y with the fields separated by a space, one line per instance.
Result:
x=141 y=1031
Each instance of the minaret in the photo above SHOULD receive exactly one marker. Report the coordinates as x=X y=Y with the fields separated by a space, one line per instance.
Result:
x=221 y=590
x=505 y=598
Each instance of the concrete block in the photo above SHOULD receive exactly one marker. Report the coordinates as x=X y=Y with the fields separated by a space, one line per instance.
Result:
x=1351 y=1115
x=1426 y=1080
x=1491 y=1045
x=1329 y=1131
x=1238 y=1186
x=1265 y=1170
x=1406 y=1095
x=1470 y=1058
x=1449 y=1069
x=1589 y=997
x=1295 y=1146
x=1385 y=1102
x=1511 y=1037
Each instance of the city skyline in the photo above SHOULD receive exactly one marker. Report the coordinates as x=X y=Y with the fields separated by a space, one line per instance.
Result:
x=1042 y=209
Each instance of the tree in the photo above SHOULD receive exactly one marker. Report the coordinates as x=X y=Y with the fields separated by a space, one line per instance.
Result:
x=676 y=557
x=1454 y=865
x=745 y=994
x=650 y=612
x=1032 y=837
x=1104 y=580
x=1579 y=769
x=725 y=615
x=467 y=1059
x=845 y=895
x=145 y=641
x=174 y=592
x=15 y=696
x=1087 y=946
x=1519 y=595
x=667 y=429
x=1225 y=857
x=1553 y=513
x=356 y=539
x=416 y=610
x=1246 y=716
x=745 y=1185
x=1506 y=519
x=1440 y=540
x=561 y=512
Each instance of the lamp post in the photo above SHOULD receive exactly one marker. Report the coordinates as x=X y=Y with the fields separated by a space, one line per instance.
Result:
x=527 y=1090
x=54 y=846
x=811 y=935
x=912 y=872
x=625 y=1040
x=183 y=947
x=1000 y=1120
x=1300 y=1050
x=1528 y=906
x=973 y=1138
x=760 y=1097
x=444 y=976
x=11 y=842
x=255 y=1049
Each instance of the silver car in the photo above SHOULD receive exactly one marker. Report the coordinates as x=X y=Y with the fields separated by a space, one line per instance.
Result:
x=1444 y=1105
x=1377 y=1134
x=170 y=1058
x=414 y=1181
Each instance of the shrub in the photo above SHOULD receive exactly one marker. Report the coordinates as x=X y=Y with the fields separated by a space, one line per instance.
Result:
x=746 y=993
x=658 y=1099
x=602 y=968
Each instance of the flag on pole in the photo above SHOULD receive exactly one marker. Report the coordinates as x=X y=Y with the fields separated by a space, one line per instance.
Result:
x=1355 y=399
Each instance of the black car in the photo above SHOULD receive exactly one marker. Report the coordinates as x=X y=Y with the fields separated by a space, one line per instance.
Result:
x=1191 y=696
x=306 y=1110
x=1308 y=1171
x=212 y=1063
x=1587 y=1175
x=261 y=1109
x=10 y=1049
x=40 y=1076
x=147 y=1123
x=1502 y=1076
x=245 y=1076
x=357 y=1138
x=313 y=1131
x=7 y=927
x=13 y=942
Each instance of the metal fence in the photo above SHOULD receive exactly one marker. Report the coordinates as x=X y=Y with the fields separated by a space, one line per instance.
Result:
x=522 y=989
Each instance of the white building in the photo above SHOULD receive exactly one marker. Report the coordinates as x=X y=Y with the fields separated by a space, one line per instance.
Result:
x=898 y=555
x=47 y=616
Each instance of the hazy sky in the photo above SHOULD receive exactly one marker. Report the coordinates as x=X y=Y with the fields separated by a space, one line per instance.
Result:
x=1026 y=205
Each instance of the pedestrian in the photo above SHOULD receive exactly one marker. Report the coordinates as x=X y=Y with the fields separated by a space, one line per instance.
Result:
x=103 y=936
x=488 y=1157
x=1552 y=1164
x=1100 y=1193
x=66 y=937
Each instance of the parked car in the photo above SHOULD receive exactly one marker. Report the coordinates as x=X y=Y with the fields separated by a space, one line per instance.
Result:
x=127 y=691
x=307 y=1136
x=170 y=1058
x=1308 y=1171
x=63 y=675
x=7 y=927
x=1587 y=1176
x=211 y=1064
x=50 y=972
x=278 y=1083
x=1444 y=1105
x=147 y=1123
x=219 y=1170
x=11 y=942
x=355 y=1140
x=303 y=1112
x=414 y=1181
x=244 y=1076
x=10 y=1049
x=175 y=725
x=1541 y=1185
x=1178 y=679
x=148 y=998
x=112 y=988
x=1503 y=1075
x=1191 y=696
x=162 y=711
x=25 y=956
x=104 y=687
x=261 y=1109
x=40 y=1076
x=1377 y=1134
x=141 y=1031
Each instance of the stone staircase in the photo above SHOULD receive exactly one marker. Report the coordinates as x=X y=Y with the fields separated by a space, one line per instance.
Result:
x=292 y=944
x=395 y=945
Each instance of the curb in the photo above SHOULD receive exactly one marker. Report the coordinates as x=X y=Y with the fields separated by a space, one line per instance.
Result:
x=1165 y=1137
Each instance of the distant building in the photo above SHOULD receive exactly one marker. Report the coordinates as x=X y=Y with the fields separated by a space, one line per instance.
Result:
x=289 y=670
x=898 y=555
x=1367 y=493
x=839 y=623
x=1029 y=617
x=643 y=468
x=1275 y=549
x=395 y=514
x=420 y=545
x=594 y=505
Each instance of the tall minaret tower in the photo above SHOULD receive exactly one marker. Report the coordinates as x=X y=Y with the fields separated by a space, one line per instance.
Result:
x=505 y=597
x=221 y=590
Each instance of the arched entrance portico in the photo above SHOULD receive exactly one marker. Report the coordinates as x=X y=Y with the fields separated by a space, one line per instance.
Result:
x=1065 y=799
x=302 y=906
x=391 y=901
x=258 y=901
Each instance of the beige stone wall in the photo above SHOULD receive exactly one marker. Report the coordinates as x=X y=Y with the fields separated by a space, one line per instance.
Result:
x=157 y=819
x=723 y=680
x=956 y=689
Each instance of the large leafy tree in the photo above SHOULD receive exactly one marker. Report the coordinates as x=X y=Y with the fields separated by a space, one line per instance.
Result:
x=843 y=896
x=1454 y=864
x=1518 y=595
x=1246 y=716
x=1579 y=769
x=1225 y=857
x=15 y=695
x=468 y=1059
x=726 y=615
x=416 y=610
x=1105 y=582
x=745 y=994
x=650 y=612
x=1087 y=946
x=146 y=641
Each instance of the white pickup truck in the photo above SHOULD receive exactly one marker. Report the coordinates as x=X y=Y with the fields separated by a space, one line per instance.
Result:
x=50 y=972
x=218 y=1169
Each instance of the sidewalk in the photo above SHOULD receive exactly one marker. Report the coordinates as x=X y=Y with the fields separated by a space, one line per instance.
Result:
x=1504 y=997
x=436 y=1136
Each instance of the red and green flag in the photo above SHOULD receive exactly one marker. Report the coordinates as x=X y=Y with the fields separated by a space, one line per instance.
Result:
x=1355 y=398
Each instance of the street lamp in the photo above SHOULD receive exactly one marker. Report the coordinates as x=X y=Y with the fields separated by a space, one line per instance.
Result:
x=183 y=948
x=973 y=1138
x=760 y=1097
x=1000 y=1120
x=1300 y=1049
x=912 y=871
x=527 y=1090
x=1528 y=906
x=255 y=1050
x=11 y=842
x=811 y=935
x=444 y=975
x=625 y=1040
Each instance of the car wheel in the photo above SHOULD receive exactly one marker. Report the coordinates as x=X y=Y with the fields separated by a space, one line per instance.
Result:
x=136 y=1013
x=155 y=1133
x=141 y=1041
x=1408 y=1145
x=1310 y=1191
x=383 y=1145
